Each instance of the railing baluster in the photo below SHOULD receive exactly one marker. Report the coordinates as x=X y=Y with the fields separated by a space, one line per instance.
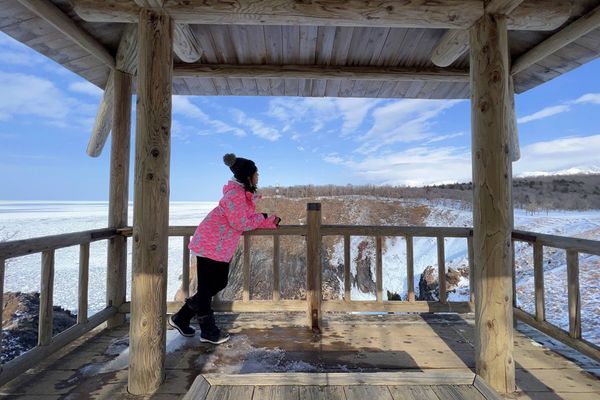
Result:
x=276 y=290
x=538 y=279
x=441 y=269
x=410 y=268
x=47 y=286
x=246 y=270
x=378 y=269
x=471 y=269
x=574 y=296
x=84 y=267
x=513 y=277
x=185 y=273
x=347 y=286
x=2 y=267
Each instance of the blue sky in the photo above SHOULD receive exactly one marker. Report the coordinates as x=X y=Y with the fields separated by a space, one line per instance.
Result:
x=47 y=113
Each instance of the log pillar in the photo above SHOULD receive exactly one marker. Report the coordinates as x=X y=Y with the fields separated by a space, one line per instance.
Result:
x=116 y=277
x=151 y=203
x=313 y=265
x=492 y=213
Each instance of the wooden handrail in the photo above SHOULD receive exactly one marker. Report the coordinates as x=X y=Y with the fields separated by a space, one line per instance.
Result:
x=561 y=242
x=17 y=248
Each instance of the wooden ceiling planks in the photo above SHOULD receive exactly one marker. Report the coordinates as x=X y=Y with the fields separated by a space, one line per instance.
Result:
x=304 y=45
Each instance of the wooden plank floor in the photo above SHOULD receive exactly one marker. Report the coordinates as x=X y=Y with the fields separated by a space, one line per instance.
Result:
x=96 y=366
x=402 y=385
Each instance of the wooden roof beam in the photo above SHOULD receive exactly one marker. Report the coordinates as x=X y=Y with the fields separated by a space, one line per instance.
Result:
x=59 y=20
x=319 y=72
x=550 y=15
x=562 y=38
x=185 y=44
x=454 y=14
x=126 y=61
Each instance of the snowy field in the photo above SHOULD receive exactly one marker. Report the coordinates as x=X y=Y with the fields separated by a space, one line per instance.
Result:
x=22 y=220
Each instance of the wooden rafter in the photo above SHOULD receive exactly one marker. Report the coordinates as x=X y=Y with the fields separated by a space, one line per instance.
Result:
x=454 y=14
x=55 y=17
x=126 y=61
x=562 y=38
x=455 y=42
x=319 y=72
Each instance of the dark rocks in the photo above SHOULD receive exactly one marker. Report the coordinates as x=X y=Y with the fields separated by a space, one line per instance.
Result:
x=429 y=289
x=20 y=318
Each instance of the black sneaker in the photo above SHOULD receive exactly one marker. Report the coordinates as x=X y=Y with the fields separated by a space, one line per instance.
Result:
x=184 y=328
x=209 y=332
x=214 y=337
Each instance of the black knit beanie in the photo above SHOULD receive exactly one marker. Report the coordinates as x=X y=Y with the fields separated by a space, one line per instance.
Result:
x=242 y=168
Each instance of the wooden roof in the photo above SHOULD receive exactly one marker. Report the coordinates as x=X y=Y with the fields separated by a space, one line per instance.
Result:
x=375 y=49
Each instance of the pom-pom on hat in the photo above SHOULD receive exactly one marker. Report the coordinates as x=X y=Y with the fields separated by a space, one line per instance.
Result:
x=242 y=168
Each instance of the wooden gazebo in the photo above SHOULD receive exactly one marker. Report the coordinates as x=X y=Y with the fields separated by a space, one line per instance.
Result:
x=485 y=50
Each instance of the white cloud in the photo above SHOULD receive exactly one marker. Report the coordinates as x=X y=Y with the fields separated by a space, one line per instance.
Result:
x=544 y=113
x=402 y=121
x=593 y=98
x=413 y=167
x=441 y=138
x=559 y=154
x=257 y=127
x=86 y=87
x=183 y=106
x=24 y=94
x=320 y=111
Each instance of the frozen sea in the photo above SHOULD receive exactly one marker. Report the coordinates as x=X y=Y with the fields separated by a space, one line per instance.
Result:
x=22 y=220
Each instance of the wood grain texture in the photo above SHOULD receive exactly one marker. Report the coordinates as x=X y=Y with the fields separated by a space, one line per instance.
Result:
x=491 y=197
x=410 y=268
x=276 y=277
x=441 y=261
x=82 y=292
x=557 y=41
x=538 y=279
x=55 y=17
x=116 y=278
x=103 y=121
x=246 y=270
x=199 y=389
x=420 y=13
x=347 y=274
x=378 y=269
x=313 y=265
x=574 y=294
x=46 y=299
x=185 y=43
x=151 y=205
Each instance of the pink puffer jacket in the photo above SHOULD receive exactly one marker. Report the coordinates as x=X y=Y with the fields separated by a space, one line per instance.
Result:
x=217 y=235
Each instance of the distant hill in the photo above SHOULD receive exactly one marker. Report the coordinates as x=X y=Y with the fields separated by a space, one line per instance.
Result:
x=558 y=192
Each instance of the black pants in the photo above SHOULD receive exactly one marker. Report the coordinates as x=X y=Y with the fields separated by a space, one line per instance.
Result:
x=212 y=278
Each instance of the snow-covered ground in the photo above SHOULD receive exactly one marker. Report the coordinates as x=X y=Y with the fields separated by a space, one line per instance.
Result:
x=21 y=220
x=24 y=220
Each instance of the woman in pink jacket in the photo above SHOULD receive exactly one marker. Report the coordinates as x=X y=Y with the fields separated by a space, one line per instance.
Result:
x=214 y=243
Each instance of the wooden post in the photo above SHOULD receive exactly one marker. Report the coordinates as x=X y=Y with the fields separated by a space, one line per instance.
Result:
x=347 y=277
x=410 y=268
x=313 y=265
x=538 y=281
x=276 y=291
x=574 y=296
x=147 y=336
x=491 y=202
x=46 y=296
x=441 y=257
x=246 y=270
x=378 y=270
x=471 y=269
x=185 y=268
x=116 y=277
x=84 y=267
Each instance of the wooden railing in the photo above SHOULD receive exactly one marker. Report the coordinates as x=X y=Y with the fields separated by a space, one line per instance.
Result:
x=314 y=300
x=47 y=343
x=573 y=247
x=314 y=304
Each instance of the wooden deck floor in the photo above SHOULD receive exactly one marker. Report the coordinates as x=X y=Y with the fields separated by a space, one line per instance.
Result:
x=96 y=366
